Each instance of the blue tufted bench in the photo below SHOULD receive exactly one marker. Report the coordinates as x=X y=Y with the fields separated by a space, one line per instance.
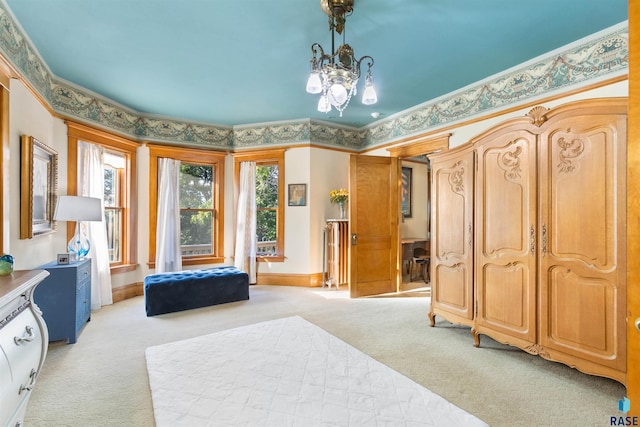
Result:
x=184 y=290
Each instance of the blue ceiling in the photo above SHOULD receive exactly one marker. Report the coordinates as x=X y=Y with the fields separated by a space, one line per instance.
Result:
x=246 y=61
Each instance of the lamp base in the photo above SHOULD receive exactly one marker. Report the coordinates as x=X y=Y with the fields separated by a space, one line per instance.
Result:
x=79 y=244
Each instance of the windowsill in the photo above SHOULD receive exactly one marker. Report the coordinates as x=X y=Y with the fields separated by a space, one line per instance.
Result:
x=276 y=258
x=194 y=261
x=123 y=268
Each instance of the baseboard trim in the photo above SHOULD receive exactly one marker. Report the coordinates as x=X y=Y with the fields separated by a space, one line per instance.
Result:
x=302 y=280
x=128 y=291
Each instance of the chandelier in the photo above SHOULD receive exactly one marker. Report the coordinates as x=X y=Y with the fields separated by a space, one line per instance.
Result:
x=335 y=75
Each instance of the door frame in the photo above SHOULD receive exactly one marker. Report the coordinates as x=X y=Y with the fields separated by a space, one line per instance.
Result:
x=416 y=146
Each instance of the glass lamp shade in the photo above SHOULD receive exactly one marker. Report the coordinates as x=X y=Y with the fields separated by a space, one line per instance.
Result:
x=337 y=94
x=314 y=85
x=369 y=96
x=323 y=104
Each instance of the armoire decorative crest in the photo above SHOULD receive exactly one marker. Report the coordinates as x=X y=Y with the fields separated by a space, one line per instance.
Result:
x=538 y=115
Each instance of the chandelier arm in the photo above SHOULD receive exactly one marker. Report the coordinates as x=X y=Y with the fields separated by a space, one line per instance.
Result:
x=317 y=48
x=366 y=57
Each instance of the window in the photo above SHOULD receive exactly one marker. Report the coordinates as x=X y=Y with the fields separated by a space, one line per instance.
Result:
x=201 y=203
x=266 y=209
x=269 y=202
x=196 y=209
x=119 y=191
x=114 y=203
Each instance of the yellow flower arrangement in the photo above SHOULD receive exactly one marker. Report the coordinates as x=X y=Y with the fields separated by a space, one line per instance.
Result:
x=338 y=196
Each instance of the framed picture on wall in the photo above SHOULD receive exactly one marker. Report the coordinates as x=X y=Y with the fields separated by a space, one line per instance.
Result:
x=38 y=187
x=297 y=194
x=407 y=184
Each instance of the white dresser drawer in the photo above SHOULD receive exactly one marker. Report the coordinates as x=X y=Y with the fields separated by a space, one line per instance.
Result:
x=20 y=343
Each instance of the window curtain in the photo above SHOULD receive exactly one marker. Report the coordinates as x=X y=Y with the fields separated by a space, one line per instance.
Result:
x=245 y=253
x=91 y=184
x=168 y=251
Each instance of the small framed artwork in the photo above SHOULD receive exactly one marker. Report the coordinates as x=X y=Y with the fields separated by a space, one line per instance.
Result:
x=407 y=183
x=297 y=194
x=63 y=259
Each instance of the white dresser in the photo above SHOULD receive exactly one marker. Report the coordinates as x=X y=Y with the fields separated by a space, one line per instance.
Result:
x=23 y=343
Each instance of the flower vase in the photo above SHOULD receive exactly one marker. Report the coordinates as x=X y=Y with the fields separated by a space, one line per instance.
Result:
x=343 y=210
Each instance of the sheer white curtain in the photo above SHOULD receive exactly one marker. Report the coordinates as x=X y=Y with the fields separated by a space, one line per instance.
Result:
x=245 y=253
x=91 y=184
x=168 y=252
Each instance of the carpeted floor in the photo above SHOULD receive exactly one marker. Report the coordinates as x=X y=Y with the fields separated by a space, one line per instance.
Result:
x=102 y=379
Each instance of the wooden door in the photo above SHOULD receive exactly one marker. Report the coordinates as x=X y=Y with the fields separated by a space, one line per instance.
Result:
x=583 y=239
x=505 y=249
x=452 y=180
x=373 y=212
x=633 y=211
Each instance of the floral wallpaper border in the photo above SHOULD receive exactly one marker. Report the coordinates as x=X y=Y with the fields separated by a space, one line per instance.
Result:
x=596 y=58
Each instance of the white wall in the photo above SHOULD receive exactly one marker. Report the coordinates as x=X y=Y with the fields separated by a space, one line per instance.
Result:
x=329 y=171
x=28 y=117
x=416 y=226
x=322 y=170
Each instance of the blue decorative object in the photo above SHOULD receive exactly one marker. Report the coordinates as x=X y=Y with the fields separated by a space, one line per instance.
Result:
x=6 y=265
x=79 y=244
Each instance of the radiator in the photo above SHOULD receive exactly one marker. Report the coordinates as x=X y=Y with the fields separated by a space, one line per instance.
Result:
x=337 y=250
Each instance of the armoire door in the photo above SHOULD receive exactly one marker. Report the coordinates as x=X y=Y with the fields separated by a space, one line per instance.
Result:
x=583 y=240
x=452 y=180
x=506 y=221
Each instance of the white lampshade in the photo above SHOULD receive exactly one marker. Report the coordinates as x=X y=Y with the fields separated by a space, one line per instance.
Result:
x=77 y=208
x=323 y=104
x=369 y=96
x=337 y=94
x=314 y=85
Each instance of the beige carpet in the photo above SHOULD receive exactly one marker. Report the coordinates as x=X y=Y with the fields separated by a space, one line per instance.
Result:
x=102 y=379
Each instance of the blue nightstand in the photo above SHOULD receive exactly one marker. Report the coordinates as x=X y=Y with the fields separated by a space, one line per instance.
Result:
x=65 y=299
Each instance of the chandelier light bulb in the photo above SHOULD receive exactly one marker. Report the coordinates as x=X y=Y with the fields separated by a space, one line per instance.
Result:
x=323 y=104
x=337 y=94
x=314 y=85
x=369 y=96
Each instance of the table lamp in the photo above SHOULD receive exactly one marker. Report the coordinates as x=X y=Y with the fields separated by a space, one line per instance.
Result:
x=78 y=208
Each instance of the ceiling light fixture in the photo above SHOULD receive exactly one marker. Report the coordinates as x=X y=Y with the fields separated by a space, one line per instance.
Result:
x=335 y=75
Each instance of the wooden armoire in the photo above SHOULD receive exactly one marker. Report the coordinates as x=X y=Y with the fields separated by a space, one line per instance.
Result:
x=529 y=234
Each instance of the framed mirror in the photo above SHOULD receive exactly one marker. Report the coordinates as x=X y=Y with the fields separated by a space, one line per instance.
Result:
x=38 y=187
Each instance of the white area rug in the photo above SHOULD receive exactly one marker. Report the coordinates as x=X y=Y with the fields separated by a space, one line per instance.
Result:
x=286 y=372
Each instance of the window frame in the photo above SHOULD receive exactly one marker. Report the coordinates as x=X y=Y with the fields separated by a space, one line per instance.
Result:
x=192 y=156
x=121 y=204
x=128 y=148
x=265 y=158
